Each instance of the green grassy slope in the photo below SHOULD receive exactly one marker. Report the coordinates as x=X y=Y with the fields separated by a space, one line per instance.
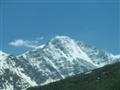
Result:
x=106 y=78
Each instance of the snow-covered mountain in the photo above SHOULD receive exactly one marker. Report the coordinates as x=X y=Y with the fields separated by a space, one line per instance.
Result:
x=12 y=76
x=59 y=58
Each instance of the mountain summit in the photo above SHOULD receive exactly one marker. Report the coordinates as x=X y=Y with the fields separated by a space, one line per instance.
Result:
x=61 y=57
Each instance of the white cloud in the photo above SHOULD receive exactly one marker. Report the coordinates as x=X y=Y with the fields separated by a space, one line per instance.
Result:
x=23 y=43
x=27 y=43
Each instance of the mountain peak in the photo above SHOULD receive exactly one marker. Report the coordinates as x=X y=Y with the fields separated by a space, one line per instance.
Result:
x=69 y=47
x=62 y=40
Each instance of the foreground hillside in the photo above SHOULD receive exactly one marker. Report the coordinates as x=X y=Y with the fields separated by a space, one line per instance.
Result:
x=106 y=78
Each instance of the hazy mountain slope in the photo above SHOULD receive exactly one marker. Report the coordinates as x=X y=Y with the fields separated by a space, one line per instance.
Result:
x=105 y=78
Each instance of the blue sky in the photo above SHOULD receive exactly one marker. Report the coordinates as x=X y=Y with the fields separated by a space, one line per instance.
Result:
x=95 y=22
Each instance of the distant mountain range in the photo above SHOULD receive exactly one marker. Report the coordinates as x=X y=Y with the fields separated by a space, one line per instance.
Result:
x=61 y=57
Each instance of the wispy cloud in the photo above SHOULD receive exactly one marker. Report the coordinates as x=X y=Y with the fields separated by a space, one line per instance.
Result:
x=26 y=43
x=39 y=38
